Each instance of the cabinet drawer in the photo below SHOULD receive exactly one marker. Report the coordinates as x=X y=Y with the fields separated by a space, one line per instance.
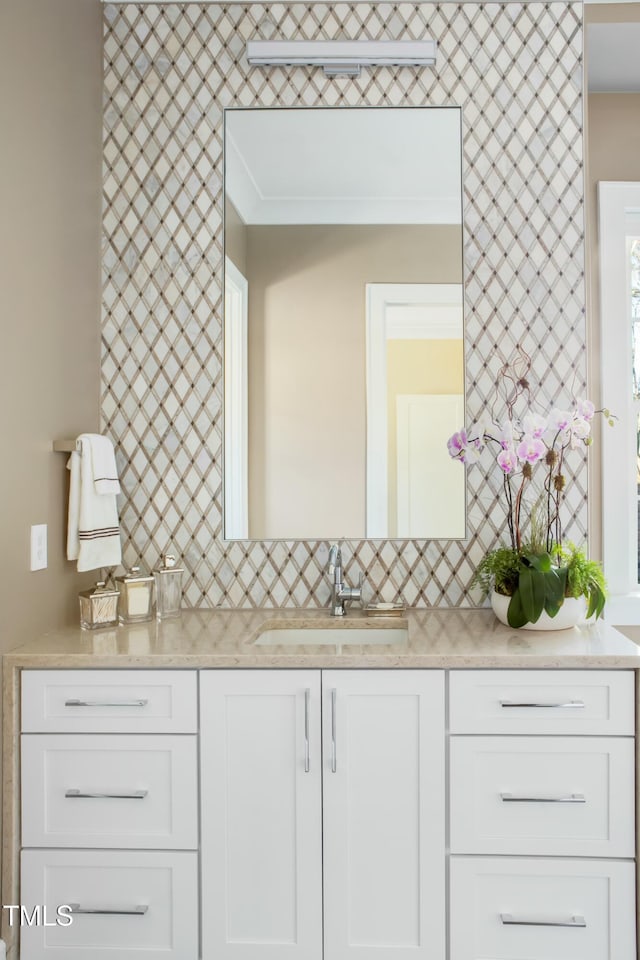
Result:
x=529 y=701
x=518 y=909
x=564 y=796
x=109 y=701
x=109 y=791
x=138 y=905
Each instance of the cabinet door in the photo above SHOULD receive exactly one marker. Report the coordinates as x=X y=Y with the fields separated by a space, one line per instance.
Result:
x=383 y=788
x=261 y=816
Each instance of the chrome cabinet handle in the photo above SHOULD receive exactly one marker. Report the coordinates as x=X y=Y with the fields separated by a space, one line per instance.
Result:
x=307 y=757
x=575 y=921
x=334 y=755
x=568 y=705
x=132 y=795
x=562 y=798
x=138 y=911
x=106 y=703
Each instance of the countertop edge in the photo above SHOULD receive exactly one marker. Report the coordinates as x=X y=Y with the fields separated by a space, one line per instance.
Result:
x=321 y=661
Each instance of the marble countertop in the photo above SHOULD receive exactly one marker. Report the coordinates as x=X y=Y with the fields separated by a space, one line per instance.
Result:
x=227 y=638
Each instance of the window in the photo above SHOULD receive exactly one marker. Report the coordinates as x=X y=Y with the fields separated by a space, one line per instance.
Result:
x=619 y=233
x=633 y=286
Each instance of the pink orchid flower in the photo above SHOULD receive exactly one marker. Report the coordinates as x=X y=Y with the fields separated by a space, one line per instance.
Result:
x=456 y=444
x=534 y=425
x=463 y=449
x=530 y=449
x=507 y=460
x=560 y=419
x=580 y=430
x=506 y=435
x=585 y=409
x=472 y=452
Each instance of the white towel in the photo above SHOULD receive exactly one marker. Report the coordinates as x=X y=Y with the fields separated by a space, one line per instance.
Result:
x=93 y=532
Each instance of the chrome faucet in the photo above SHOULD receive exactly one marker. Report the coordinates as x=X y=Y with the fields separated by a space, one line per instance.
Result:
x=340 y=593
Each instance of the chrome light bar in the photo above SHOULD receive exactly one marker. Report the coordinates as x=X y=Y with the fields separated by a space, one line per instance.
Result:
x=344 y=57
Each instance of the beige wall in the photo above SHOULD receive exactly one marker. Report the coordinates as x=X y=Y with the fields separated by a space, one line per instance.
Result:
x=50 y=190
x=612 y=12
x=307 y=416
x=613 y=153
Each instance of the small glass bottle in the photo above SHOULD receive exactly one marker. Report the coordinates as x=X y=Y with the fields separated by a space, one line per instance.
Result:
x=98 y=607
x=168 y=588
x=136 y=596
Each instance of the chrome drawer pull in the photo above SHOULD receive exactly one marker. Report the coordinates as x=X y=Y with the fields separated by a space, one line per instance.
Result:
x=133 y=795
x=575 y=921
x=569 y=705
x=334 y=753
x=138 y=911
x=106 y=703
x=563 y=798
x=307 y=757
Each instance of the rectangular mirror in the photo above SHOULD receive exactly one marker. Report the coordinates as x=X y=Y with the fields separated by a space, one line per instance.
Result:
x=343 y=325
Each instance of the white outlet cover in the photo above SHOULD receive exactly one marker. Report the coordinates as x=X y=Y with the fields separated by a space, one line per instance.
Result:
x=39 y=546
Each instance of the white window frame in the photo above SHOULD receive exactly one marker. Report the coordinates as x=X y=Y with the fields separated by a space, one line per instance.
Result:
x=618 y=205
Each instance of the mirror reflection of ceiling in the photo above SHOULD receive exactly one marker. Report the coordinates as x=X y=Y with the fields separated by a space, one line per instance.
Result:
x=332 y=166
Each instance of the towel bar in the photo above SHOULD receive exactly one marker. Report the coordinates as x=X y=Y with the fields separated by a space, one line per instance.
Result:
x=64 y=446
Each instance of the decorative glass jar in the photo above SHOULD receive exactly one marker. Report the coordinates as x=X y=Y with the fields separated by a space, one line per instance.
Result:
x=136 y=596
x=168 y=579
x=98 y=607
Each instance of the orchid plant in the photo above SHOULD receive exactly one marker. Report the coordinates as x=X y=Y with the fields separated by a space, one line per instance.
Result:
x=528 y=446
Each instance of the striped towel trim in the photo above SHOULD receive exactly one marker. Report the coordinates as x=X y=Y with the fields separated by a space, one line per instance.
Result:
x=97 y=534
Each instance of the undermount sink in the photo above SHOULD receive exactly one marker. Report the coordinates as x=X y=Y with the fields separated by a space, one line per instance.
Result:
x=333 y=636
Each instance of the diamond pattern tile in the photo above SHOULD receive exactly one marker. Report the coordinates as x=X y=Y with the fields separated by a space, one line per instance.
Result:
x=170 y=69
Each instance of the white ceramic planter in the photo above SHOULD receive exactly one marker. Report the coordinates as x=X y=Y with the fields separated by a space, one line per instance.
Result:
x=572 y=612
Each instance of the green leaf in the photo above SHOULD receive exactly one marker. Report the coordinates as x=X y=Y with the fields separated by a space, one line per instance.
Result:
x=551 y=606
x=596 y=602
x=515 y=613
x=531 y=586
x=555 y=586
x=539 y=561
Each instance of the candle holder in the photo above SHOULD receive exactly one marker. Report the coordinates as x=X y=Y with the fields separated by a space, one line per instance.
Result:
x=136 y=596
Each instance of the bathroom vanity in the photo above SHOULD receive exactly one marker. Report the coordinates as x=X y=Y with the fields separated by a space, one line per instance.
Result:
x=463 y=791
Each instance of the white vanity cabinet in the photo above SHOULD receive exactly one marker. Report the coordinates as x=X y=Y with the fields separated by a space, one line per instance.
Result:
x=343 y=845
x=329 y=814
x=110 y=813
x=542 y=822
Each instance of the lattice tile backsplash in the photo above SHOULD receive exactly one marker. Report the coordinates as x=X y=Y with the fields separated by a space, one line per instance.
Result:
x=170 y=69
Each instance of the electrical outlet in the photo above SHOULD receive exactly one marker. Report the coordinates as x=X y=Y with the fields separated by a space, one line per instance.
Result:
x=39 y=546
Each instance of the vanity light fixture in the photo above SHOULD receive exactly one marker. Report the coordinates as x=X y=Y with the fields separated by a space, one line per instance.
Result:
x=341 y=57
